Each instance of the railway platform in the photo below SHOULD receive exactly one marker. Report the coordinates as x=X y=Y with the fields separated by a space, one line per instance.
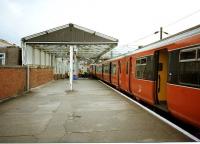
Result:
x=92 y=112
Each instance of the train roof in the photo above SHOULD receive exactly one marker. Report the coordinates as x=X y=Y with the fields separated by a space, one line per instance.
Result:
x=166 y=41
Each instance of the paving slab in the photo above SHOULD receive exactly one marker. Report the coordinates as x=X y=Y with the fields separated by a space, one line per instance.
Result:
x=92 y=112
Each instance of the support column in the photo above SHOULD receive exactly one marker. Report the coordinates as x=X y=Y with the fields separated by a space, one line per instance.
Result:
x=28 y=77
x=45 y=59
x=22 y=45
x=28 y=68
x=40 y=51
x=50 y=59
x=71 y=68
x=33 y=55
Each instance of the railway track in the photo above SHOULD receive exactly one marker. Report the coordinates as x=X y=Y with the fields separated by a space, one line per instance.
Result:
x=186 y=129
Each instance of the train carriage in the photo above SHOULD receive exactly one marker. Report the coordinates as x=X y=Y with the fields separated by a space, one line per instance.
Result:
x=165 y=74
x=173 y=75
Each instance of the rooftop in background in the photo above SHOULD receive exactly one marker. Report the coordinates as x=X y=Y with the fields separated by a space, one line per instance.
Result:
x=4 y=43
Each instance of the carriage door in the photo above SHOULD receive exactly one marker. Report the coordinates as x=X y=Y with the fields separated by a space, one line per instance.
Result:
x=161 y=83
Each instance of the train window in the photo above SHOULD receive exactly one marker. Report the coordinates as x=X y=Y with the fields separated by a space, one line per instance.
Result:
x=139 y=71
x=143 y=60
x=144 y=68
x=113 y=69
x=187 y=55
x=126 y=67
x=189 y=73
x=137 y=61
x=189 y=67
x=99 y=69
x=198 y=54
x=106 y=69
x=148 y=70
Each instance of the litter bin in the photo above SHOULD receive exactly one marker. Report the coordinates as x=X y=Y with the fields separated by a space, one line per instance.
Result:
x=75 y=77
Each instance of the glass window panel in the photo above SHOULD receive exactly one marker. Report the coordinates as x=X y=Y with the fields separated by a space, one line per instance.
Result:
x=113 y=69
x=198 y=53
x=188 y=55
x=145 y=69
x=138 y=61
x=143 y=61
x=189 y=73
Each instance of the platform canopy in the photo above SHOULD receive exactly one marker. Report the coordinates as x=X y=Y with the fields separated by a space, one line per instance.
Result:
x=89 y=44
x=68 y=41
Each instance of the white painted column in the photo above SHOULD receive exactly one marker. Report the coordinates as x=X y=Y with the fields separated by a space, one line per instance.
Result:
x=45 y=58
x=33 y=55
x=71 y=67
x=22 y=45
x=28 y=68
x=40 y=55
x=50 y=59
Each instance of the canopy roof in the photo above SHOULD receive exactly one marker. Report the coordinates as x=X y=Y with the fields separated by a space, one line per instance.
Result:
x=90 y=44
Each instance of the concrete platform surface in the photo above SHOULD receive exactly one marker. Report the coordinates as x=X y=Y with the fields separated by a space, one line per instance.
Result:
x=91 y=113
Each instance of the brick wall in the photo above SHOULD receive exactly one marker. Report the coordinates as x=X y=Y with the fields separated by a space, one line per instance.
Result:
x=40 y=76
x=12 y=81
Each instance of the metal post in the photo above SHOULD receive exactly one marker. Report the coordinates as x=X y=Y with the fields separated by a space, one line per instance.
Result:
x=161 y=32
x=45 y=58
x=22 y=56
x=26 y=62
x=28 y=77
x=40 y=57
x=71 y=67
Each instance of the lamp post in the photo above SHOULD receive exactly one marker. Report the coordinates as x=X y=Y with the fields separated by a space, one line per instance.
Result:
x=161 y=32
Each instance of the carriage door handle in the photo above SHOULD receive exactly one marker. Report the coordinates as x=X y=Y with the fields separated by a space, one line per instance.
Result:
x=158 y=83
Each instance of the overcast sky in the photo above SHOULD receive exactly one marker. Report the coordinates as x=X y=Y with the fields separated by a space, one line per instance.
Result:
x=126 y=20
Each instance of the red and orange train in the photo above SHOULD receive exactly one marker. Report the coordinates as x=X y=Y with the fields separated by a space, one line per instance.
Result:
x=165 y=74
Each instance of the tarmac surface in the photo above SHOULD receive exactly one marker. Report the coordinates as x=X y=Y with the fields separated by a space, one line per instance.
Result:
x=90 y=113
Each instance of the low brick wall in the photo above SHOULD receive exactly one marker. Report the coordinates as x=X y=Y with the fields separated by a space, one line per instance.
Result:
x=60 y=76
x=39 y=76
x=12 y=81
